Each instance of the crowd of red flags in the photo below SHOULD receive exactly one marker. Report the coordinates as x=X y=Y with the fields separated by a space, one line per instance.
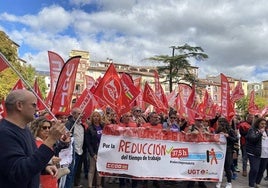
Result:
x=121 y=92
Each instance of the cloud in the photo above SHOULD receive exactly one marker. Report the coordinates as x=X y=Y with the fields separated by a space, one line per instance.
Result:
x=234 y=34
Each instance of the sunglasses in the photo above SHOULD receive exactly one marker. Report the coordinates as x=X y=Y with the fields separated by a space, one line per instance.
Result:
x=34 y=105
x=46 y=127
x=173 y=117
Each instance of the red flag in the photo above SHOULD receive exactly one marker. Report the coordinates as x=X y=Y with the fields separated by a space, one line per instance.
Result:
x=65 y=86
x=184 y=92
x=111 y=91
x=171 y=98
x=237 y=93
x=93 y=88
x=264 y=111
x=192 y=101
x=40 y=105
x=89 y=81
x=159 y=92
x=130 y=90
x=180 y=106
x=19 y=85
x=49 y=98
x=55 y=64
x=208 y=106
x=150 y=97
x=137 y=82
x=227 y=108
x=139 y=102
x=252 y=107
x=87 y=103
x=3 y=62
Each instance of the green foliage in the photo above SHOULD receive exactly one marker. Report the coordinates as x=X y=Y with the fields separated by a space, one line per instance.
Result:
x=178 y=67
x=242 y=104
x=8 y=77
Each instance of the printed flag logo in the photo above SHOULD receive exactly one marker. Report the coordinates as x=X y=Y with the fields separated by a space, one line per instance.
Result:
x=112 y=91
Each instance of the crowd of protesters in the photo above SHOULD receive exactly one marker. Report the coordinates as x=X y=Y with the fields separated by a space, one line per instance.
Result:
x=37 y=150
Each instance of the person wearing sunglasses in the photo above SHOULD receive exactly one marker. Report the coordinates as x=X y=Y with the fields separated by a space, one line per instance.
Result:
x=172 y=123
x=40 y=129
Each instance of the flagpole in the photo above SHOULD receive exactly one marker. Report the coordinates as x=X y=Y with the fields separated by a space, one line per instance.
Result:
x=28 y=85
x=79 y=115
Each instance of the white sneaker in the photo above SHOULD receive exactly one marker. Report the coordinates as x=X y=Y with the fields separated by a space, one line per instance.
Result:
x=228 y=185
x=218 y=185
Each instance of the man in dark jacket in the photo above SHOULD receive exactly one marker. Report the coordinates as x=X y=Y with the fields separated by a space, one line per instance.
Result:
x=243 y=127
x=20 y=160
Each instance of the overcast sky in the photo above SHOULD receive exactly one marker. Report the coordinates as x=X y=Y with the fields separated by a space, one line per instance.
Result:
x=233 y=33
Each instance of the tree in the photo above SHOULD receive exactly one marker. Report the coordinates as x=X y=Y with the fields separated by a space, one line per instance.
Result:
x=242 y=104
x=8 y=77
x=178 y=66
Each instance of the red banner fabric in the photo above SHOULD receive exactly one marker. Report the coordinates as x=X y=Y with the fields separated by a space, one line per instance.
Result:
x=150 y=97
x=40 y=105
x=55 y=64
x=19 y=85
x=159 y=92
x=3 y=62
x=89 y=81
x=252 y=107
x=65 y=86
x=237 y=93
x=111 y=91
x=227 y=107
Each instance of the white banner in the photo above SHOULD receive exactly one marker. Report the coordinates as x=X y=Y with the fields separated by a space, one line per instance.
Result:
x=123 y=154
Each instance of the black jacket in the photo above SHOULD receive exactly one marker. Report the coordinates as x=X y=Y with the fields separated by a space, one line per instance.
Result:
x=253 y=142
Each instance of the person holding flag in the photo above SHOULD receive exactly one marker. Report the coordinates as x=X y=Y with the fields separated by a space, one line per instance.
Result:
x=21 y=162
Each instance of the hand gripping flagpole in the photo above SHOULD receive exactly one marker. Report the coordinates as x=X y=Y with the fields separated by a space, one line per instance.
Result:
x=28 y=85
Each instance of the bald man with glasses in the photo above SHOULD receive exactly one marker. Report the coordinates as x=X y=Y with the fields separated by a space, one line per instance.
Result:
x=21 y=162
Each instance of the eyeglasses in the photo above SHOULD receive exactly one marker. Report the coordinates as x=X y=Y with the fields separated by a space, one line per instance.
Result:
x=137 y=110
x=34 y=105
x=46 y=127
x=173 y=117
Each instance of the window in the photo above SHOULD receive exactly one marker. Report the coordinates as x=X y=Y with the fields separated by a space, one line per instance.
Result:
x=215 y=98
